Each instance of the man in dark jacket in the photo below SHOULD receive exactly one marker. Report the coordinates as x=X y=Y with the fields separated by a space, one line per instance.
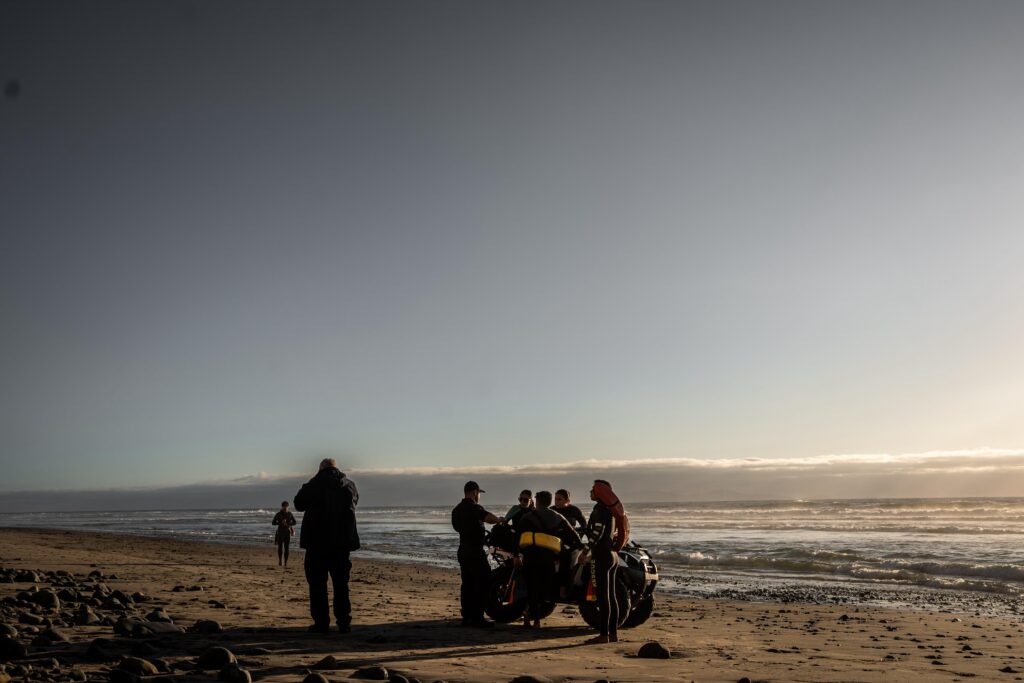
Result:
x=538 y=560
x=328 y=535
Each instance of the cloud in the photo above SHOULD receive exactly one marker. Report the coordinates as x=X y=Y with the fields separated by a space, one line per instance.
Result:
x=932 y=458
x=974 y=472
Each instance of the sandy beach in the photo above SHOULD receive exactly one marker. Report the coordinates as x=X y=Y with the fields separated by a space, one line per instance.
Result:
x=405 y=620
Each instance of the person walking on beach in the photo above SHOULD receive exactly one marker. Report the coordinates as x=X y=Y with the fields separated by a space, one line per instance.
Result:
x=543 y=533
x=285 y=522
x=328 y=534
x=564 y=507
x=468 y=519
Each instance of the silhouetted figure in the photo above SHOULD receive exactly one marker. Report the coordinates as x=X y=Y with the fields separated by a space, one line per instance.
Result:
x=285 y=522
x=516 y=511
x=604 y=536
x=468 y=519
x=328 y=534
x=564 y=507
x=542 y=533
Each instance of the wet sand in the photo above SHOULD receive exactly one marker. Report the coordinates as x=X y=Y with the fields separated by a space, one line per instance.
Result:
x=406 y=620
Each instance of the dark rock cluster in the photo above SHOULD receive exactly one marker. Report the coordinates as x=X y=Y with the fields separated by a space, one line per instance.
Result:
x=35 y=647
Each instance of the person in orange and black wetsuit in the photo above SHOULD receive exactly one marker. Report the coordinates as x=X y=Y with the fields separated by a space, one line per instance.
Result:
x=601 y=531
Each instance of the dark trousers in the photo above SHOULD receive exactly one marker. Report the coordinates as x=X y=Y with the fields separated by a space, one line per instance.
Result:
x=606 y=565
x=539 y=572
x=319 y=564
x=476 y=580
x=282 y=551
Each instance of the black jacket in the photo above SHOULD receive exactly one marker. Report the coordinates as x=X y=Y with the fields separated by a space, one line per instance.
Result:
x=329 y=502
x=601 y=528
x=574 y=516
x=548 y=521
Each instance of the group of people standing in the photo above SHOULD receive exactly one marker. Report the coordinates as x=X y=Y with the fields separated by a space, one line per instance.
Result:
x=546 y=540
x=547 y=531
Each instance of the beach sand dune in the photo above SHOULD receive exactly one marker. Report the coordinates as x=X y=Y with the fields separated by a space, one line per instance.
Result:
x=163 y=607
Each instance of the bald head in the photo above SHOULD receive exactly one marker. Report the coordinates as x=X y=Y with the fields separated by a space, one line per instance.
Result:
x=327 y=462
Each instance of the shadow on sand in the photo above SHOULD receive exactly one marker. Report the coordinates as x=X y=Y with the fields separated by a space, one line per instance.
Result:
x=383 y=644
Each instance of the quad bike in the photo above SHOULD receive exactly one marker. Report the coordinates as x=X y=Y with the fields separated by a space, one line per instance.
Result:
x=634 y=585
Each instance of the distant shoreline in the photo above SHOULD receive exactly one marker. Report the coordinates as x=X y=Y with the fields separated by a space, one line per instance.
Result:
x=688 y=583
x=584 y=504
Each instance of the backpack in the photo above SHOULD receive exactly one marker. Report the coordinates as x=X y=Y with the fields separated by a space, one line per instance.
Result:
x=604 y=494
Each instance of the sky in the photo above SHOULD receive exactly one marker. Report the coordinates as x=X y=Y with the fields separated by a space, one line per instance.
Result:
x=238 y=237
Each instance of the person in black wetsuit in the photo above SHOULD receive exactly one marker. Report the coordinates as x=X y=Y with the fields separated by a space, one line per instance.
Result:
x=468 y=519
x=572 y=513
x=538 y=562
x=328 y=535
x=285 y=522
x=601 y=531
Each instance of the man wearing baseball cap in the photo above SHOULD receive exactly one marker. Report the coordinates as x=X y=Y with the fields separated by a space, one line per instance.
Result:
x=468 y=519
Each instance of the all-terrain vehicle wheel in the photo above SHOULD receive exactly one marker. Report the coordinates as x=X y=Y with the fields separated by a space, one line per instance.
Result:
x=499 y=607
x=641 y=611
x=588 y=608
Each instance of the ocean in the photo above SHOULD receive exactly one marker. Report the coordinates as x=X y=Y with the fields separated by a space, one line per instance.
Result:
x=932 y=553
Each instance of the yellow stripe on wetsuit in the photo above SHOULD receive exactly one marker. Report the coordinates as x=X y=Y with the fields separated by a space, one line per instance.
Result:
x=540 y=540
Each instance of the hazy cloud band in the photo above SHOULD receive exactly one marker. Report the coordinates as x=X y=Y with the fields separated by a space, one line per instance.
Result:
x=976 y=472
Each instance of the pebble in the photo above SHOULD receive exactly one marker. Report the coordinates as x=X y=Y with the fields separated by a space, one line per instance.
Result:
x=653 y=650
x=138 y=666
x=233 y=673
x=122 y=597
x=371 y=673
x=328 y=662
x=29 y=618
x=216 y=658
x=55 y=636
x=47 y=598
x=11 y=649
x=207 y=626
x=86 y=617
